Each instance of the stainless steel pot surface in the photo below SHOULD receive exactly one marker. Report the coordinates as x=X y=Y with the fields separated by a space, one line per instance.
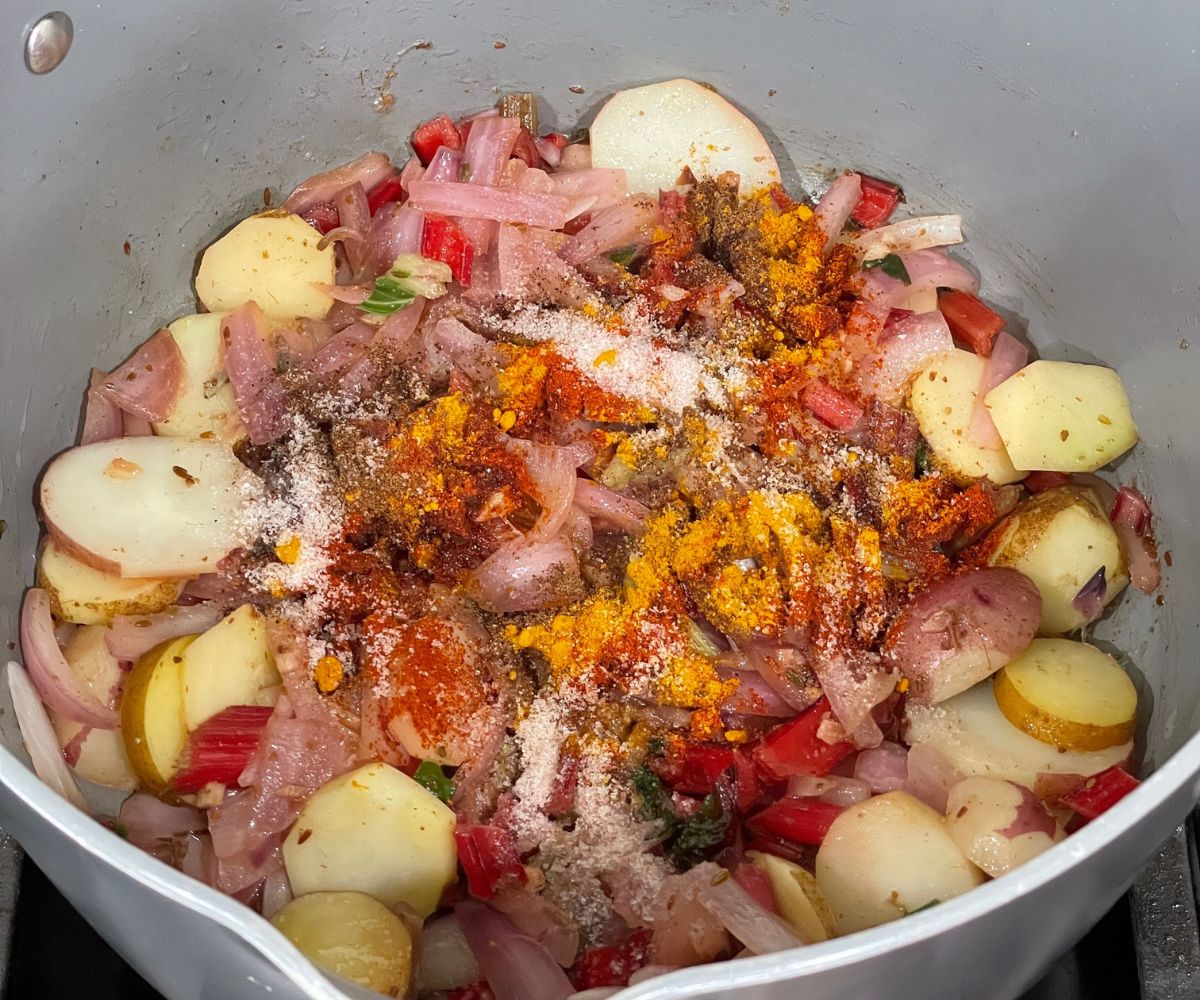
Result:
x=1067 y=134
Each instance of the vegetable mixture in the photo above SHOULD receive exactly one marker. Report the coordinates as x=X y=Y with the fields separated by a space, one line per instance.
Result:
x=565 y=558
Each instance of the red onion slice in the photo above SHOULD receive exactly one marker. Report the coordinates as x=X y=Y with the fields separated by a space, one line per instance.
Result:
x=526 y=576
x=628 y=224
x=447 y=961
x=516 y=967
x=250 y=364
x=101 y=416
x=368 y=170
x=1130 y=516
x=1008 y=357
x=40 y=741
x=489 y=145
x=930 y=776
x=605 y=184
x=481 y=201
x=610 y=510
x=837 y=205
x=147 y=820
x=761 y=931
x=147 y=385
x=130 y=636
x=904 y=347
x=908 y=235
x=49 y=671
x=884 y=768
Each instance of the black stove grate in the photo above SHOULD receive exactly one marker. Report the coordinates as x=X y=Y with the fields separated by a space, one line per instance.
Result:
x=1147 y=946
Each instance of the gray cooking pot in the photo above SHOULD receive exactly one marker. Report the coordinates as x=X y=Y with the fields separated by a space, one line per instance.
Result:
x=1066 y=134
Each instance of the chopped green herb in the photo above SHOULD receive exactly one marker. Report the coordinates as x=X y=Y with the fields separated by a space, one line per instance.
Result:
x=433 y=779
x=655 y=746
x=625 y=257
x=701 y=832
x=410 y=276
x=925 y=906
x=655 y=802
x=923 y=459
x=892 y=265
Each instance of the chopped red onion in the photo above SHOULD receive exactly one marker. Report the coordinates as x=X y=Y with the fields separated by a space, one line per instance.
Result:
x=930 y=776
x=489 y=145
x=627 y=224
x=40 y=740
x=905 y=347
x=552 y=470
x=1089 y=602
x=1008 y=357
x=446 y=166
x=754 y=695
x=538 y=918
x=908 y=235
x=837 y=205
x=395 y=230
x=525 y=576
x=57 y=683
x=147 y=820
x=884 y=768
x=609 y=510
x=277 y=893
x=368 y=170
x=447 y=961
x=147 y=385
x=250 y=364
x=761 y=931
x=1131 y=519
x=605 y=184
x=130 y=636
x=478 y=201
x=101 y=416
x=515 y=966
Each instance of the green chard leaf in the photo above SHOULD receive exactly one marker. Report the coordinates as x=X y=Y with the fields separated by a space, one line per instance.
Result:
x=410 y=276
x=625 y=256
x=701 y=832
x=892 y=265
x=654 y=801
x=923 y=459
x=433 y=779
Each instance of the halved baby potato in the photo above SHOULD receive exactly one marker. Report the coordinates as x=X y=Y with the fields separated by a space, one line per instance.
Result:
x=1068 y=694
x=99 y=754
x=886 y=857
x=1061 y=539
x=377 y=831
x=84 y=595
x=353 y=936
x=1063 y=417
x=942 y=399
x=799 y=900
x=147 y=506
x=999 y=825
x=653 y=132
x=152 y=713
x=973 y=734
x=205 y=406
x=272 y=259
x=230 y=664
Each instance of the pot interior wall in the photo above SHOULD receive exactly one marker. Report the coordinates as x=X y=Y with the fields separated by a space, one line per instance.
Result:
x=1067 y=141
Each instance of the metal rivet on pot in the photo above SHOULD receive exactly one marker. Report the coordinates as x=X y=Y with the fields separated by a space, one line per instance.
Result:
x=47 y=42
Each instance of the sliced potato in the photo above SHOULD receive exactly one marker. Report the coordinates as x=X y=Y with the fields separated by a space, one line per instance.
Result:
x=377 y=831
x=1063 y=417
x=205 y=406
x=1068 y=694
x=653 y=132
x=99 y=753
x=87 y=596
x=942 y=399
x=353 y=936
x=147 y=506
x=1061 y=538
x=972 y=733
x=999 y=825
x=796 y=894
x=885 y=858
x=230 y=664
x=152 y=713
x=271 y=259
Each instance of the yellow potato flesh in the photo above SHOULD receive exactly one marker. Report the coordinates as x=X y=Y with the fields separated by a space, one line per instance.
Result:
x=1063 y=417
x=1068 y=694
x=230 y=664
x=152 y=713
x=799 y=900
x=84 y=595
x=205 y=406
x=942 y=399
x=351 y=935
x=271 y=259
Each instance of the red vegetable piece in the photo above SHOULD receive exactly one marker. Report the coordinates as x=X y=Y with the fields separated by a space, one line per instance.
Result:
x=829 y=406
x=970 y=320
x=562 y=793
x=526 y=149
x=489 y=857
x=1035 y=482
x=1132 y=508
x=794 y=747
x=429 y=137
x=220 y=748
x=802 y=821
x=612 y=966
x=384 y=192
x=696 y=768
x=442 y=239
x=879 y=201
x=783 y=201
x=1100 y=792
x=800 y=854
x=747 y=786
x=322 y=217
x=475 y=991
x=758 y=884
x=560 y=140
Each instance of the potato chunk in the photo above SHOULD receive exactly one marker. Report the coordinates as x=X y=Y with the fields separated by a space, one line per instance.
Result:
x=1063 y=417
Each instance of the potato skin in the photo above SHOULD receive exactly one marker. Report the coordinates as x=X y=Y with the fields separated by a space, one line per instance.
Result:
x=81 y=594
x=1060 y=538
x=961 y=630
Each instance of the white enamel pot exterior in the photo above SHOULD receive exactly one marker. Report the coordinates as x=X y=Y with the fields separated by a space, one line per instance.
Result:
x=1067 y=134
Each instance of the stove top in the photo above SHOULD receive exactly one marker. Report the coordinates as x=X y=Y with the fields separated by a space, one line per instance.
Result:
x=1147 y=946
